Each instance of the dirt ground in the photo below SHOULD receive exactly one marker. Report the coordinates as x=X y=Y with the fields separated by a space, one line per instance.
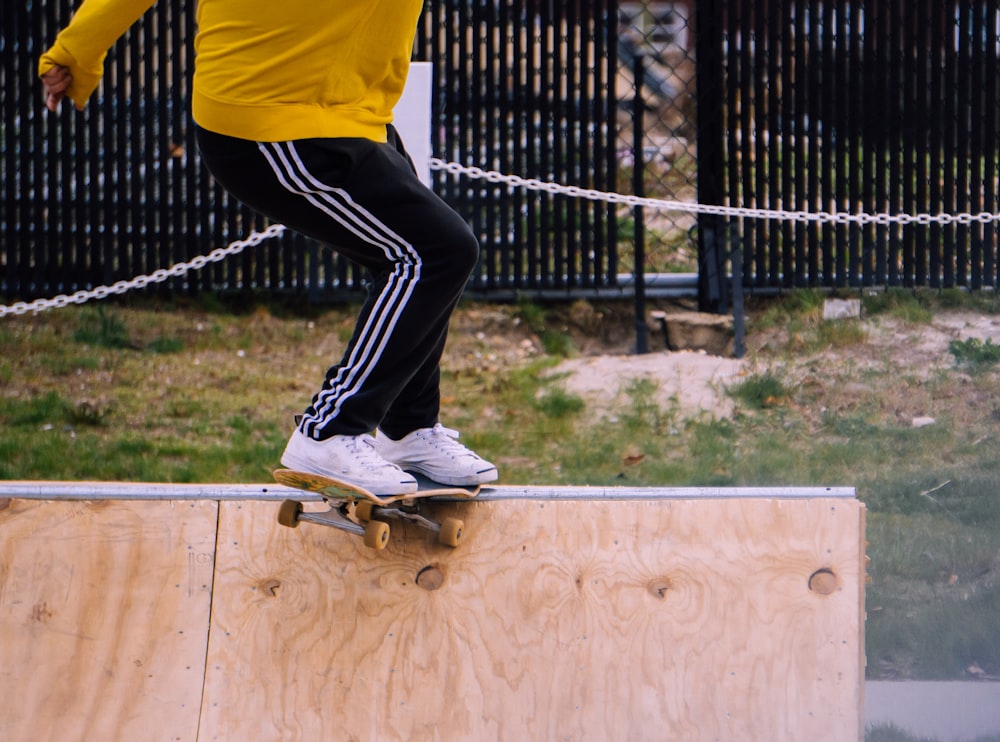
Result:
x=694 y=381
x=604 y=364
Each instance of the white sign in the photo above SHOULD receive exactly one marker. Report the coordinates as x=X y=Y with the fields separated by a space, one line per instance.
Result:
x=413 y=117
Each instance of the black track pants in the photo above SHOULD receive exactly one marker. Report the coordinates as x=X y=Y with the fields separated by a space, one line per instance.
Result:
x=364 y=199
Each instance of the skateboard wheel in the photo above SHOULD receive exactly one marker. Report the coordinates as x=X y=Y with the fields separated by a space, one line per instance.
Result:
x=451 y=531
x=376 y=534
x=363 y=510
x=288 y=513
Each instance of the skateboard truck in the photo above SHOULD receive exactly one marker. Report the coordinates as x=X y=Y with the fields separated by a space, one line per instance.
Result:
x=375 y=533
x=370 y=510
x=449 y=531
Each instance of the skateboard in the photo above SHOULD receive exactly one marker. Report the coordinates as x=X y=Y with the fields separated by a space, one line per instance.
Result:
x=369 y=508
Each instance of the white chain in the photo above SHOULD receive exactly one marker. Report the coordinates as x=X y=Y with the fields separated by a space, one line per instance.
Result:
x=530 y=184
x=835 y=217
x=139 y=282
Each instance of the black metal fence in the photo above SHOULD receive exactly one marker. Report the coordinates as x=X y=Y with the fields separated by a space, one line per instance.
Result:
x=878 y=106
x=527 y=88
x=98 y=197
x=882 y=107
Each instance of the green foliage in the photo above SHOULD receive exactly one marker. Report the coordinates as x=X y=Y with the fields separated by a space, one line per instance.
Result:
x=102 y=328
x=557 y=403
x=906 y=304
x=643 y=414
x=839 y=334
x=975 y=353
x=165 y=345
x=918 y=305
x=532 y=315
x=45 y=409
x=558 y=344
x=759 y=391
x=556 y=341
x=800 y=315
x=987 y=302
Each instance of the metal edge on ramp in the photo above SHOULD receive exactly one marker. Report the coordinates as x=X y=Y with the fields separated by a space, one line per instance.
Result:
x=53 y=490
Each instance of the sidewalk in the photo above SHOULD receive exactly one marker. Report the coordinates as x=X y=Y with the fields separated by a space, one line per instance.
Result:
x=945 y=711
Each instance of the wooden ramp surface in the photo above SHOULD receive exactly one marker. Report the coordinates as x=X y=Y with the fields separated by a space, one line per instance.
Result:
x=104 y=615
x=695 y=618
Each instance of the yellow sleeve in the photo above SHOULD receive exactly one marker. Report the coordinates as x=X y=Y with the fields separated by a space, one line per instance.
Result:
x=84 y=43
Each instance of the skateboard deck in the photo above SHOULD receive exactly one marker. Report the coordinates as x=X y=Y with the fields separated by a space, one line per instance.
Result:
x=329 y=487
x=369 y=508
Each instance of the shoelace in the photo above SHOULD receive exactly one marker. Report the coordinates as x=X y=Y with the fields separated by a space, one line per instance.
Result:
x=446 y=440
x=363 y=446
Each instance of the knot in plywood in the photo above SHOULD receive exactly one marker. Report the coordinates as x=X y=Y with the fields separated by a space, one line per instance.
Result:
x=430 y=577
x=659 y=587
x=823 y=581
x=270 y=587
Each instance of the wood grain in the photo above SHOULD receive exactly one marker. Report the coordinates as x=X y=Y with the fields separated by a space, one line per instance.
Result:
x=104 y=612
x=682 y=619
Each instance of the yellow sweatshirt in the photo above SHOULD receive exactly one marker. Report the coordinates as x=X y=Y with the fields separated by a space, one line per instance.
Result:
x=269 y=70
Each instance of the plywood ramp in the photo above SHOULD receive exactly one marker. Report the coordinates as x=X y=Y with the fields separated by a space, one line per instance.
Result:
x=688 y=619
x=104 y=611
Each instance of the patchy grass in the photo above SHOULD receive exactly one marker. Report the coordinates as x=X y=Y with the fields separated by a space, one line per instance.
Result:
x=200 y=392
x=759 y=391
x=975 y=353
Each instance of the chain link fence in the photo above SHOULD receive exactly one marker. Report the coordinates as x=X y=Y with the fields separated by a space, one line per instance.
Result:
x=657 y=122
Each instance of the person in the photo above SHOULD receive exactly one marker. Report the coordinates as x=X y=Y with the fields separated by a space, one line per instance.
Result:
x=292 y=104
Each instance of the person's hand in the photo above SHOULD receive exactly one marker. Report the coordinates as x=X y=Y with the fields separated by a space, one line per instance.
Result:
x=57 y=82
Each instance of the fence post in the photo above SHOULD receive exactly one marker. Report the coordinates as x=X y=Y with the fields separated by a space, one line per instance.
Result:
x=711 y=163
x=638 y=188
x=739 y=313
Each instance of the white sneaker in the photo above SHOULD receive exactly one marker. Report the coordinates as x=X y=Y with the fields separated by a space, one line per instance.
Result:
x=351 y=458
x=436 y=454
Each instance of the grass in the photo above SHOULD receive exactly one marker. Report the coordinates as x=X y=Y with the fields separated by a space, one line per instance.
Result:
x=190 y=391
x=761 y=390
x=975 y=353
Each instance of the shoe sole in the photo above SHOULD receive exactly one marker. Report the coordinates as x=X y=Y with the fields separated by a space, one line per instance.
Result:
x=392 y=488
x=478 y=478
